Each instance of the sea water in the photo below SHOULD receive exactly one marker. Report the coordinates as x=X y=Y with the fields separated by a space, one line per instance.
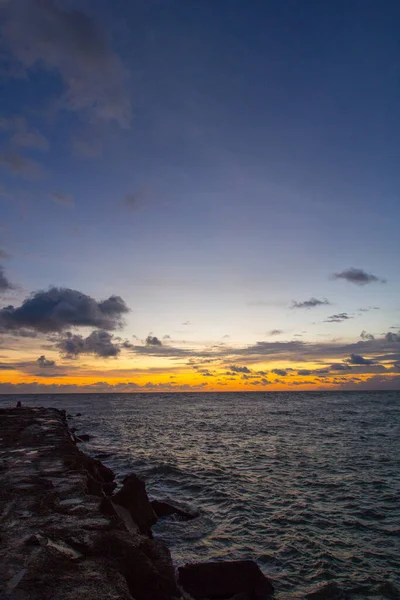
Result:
x=306 y=484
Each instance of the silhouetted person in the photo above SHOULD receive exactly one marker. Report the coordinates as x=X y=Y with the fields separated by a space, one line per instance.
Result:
x=19 y=405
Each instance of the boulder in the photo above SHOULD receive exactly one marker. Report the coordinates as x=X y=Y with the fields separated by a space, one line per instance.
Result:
x=133 y=497
x=165 y=509
x=83 y=437
x=146 y=564
x=217 y=580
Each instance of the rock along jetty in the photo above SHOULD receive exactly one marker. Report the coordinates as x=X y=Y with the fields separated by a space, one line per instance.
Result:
x=66 y=535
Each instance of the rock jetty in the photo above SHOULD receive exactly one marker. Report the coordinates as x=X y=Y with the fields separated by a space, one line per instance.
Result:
x=66 y=534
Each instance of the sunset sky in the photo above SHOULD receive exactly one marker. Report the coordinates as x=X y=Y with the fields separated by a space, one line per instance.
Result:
x=199 y=195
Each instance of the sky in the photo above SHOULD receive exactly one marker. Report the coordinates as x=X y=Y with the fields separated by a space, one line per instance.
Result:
x=199 y=195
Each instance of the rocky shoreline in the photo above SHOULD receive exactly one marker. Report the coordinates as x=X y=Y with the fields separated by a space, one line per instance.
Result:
x=66 y=533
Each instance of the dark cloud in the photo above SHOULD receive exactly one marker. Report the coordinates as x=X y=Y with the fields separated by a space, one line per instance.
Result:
x=44 y=362
x=238 y=369
x=22 y=166
x=367 y=337
x=99 y=342
x=63 y=199
x=357 y=276
x=6 y=367
x=357 y=359
x=339 y=318
x=392 y=338
x=58 y=308
x=311 y=303
x=152 y=340
x=339 y=367
x=39 y=34
x=280 y=372
x=275 y=332
x=5 y=285
x=304 y=372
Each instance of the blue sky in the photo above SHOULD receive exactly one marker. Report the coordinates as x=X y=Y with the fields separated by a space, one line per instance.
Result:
x=209 y=162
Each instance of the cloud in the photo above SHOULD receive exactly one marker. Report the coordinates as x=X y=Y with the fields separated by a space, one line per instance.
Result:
x=339 y=367
x=153 y=341
x=237 y=369
x=39 y=34
x=22 y=166
x=4 y=255
x=58 y=308
x=131 y=200
x=303 y=372
x=275 y=332
x=393 y=338
x=358 y=276
x=99 y=342
x=311 y=303
x=6 y=367
x=63 y=199
x=367 y=336
x=87 y=148
x=357 y=359
x=5 y=285
x=44 y=362
x=280 y=372
x=339 y=318
x=22 y=136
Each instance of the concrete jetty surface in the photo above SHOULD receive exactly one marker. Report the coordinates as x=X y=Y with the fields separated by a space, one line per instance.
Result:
x=61 y=538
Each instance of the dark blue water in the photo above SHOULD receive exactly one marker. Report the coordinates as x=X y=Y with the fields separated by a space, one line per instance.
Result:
x=307 y=484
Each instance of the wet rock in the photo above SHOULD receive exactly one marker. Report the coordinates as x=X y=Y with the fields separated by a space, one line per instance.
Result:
x=165 y=509
x=83 y=437
x=224 y=580
x=133 y=496
x=78 y=414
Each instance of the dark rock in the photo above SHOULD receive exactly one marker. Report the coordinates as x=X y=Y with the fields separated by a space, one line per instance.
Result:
x=145 y=564
x=84 y=437
x=19 y=405
x=133 y=497
x=97 y=469
x=109 y=487
x=78 y=414
x=224 y=580
x=164 y=509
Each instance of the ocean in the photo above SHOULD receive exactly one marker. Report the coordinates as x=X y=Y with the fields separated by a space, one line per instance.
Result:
x=306 y=484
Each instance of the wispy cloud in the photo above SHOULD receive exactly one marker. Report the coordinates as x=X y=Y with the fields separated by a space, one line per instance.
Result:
x=21 y=135
x=63 y=199
x=339 y=318
x=22 y=166
x=311 y=303
x=43 y=35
